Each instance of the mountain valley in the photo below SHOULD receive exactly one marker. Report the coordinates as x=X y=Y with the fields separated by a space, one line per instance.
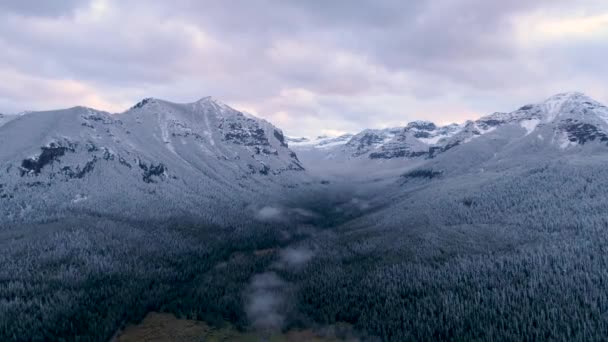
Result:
x=492 y=229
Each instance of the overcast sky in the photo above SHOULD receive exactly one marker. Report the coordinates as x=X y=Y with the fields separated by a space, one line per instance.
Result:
x=311 y=66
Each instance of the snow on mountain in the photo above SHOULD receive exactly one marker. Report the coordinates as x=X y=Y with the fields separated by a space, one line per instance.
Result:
x=216 y=130
x=565 y=127
x=158 y=157
x=368 y=140
x=412 y=141
x=565 y=119
x=320 y=142
x=201 y=158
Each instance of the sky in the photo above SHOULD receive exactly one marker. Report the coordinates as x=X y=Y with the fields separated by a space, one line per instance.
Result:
x=311 y=67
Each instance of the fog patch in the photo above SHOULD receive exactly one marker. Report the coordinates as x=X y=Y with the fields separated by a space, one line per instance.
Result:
x=277 y=213
x=269 y=214
x=294 y=257
x=354 y=205
x=265 y=302
x=360 y=204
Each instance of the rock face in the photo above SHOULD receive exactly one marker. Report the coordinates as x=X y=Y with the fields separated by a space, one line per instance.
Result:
x=369 y=140
x=581 y=132
x=197 y=155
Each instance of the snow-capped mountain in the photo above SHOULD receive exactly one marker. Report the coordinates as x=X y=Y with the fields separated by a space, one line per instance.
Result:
x=565 y=120
x=159 y=157
x=567 y=125
x=411 y=141
x=368 y=140
x=414 y=140
x=573 y=119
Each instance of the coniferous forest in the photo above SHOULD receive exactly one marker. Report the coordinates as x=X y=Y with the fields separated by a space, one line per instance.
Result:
x=516 y=255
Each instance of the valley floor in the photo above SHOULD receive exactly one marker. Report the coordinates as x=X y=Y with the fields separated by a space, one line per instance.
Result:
x=157 y=327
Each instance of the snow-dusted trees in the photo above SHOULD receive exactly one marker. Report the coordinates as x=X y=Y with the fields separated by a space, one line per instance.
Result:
x=518 y=255
x=87 y=276
x=514 y=255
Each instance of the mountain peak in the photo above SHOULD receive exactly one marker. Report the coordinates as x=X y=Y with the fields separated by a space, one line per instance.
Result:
x=567 y=102
x=422 y=125
x=557 y=100
x=210 y=100
x=207 y=99
x=566 y=96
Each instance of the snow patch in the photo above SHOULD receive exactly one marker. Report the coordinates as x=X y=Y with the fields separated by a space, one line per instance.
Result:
x=529 y=125
x=207 y=132
x=209 y=137
x=164 y=132
x=554 y=104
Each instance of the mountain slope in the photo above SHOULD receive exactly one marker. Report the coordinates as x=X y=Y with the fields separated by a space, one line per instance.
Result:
x=158 y=158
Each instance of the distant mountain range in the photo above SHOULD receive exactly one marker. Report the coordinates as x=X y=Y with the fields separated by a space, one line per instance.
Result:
x=202 y=158
x=562 y=121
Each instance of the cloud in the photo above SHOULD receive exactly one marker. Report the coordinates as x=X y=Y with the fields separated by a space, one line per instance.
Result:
x=584 y=26
x=308 y=66
x=40 y=8
x=54 y=93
